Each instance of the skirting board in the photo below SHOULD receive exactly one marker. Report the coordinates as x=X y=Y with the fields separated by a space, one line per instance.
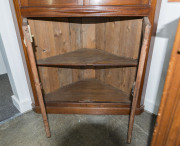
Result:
x=22 y=106
x=151 y=107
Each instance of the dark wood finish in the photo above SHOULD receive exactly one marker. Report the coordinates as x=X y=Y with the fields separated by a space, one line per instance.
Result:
x=88 y=11
x=167 y=126
x=35 y=75
x=87 y=58
x=116 y=2
x=51 y=3
x=147 y=29
x=88 y=91
x=58 y=3
x=90 y=108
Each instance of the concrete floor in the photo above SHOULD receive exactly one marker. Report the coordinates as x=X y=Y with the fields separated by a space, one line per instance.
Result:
x=76 y=130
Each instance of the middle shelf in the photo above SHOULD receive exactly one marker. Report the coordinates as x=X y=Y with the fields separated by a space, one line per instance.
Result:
x=87 y=58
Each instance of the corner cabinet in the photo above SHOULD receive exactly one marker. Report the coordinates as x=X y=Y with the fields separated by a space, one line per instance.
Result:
x=86 y=56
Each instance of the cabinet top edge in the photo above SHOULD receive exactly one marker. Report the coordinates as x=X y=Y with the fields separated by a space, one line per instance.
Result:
x=86 y=11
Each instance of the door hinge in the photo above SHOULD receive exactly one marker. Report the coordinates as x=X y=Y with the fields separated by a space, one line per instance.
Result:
x=29 y=37
x=30 y=34
x=25 y=42
x=132 y=90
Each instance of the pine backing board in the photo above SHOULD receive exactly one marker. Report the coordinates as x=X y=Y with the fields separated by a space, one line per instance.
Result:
x=121 y=37
x=88 y=41
x=58 y=36
x=76 y=39
x=100 y=43
x=42 y=48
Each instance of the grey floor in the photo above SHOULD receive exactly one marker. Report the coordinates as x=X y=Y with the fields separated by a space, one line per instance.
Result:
x=7 y=109
x=76 y=130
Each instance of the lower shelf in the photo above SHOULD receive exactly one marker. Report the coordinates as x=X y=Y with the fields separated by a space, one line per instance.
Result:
x=94 y=109
x=88 y=97
x=88 y=91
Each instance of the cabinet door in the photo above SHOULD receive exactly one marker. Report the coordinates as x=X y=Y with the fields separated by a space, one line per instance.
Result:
x=50 y=3
x=116 y=2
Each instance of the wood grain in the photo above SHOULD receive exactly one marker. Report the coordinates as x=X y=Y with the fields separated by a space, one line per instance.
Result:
x=119 y=36
x=63 y=35
x=88 y=11
x=144 y=51
x=35 y=76
x=88 y=41
x=94 y=108
x=45 y=3
x=76 y=43
x=71 y=34
x=42 y=49
x=87 y=58
x=116 y=2
x=87 y=91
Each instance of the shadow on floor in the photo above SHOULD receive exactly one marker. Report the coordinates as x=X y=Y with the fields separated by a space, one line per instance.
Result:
x=153 y=122
x=93 y=135
x=76 y=130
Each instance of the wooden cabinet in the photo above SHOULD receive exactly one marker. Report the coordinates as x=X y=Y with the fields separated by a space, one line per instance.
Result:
x=103 y=53
x=116 y=2
x=59 y=3
x=50 y=3
x=86 y=57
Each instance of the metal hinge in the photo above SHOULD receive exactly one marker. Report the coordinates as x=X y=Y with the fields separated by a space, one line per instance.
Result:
x=132 y=90
x=30 y=34
x=25 y=42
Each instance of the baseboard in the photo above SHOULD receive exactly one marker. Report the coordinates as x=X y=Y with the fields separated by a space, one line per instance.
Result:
x=3 y=73
x=22 y=106
x=151 y=107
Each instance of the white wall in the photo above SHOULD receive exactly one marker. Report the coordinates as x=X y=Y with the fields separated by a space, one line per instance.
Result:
x=11 y=49
x=166 y=30
x=2 y=65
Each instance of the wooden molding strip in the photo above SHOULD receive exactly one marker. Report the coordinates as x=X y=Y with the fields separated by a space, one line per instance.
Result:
x=87 y=11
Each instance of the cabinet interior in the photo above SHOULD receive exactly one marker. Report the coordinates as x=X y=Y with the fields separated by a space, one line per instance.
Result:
x=109 y=79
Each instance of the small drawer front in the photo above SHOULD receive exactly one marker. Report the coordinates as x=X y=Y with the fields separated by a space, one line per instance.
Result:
x=50 y=3
x=116 y=2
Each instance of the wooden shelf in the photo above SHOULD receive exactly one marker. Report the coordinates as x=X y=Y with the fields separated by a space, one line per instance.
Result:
x=87 y=58
x=88 y=91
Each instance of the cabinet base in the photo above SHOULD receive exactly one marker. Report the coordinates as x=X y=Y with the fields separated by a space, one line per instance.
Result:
x=88 y=110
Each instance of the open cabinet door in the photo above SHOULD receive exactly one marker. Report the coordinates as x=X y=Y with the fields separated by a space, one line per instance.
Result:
x=27 y=42
x=167 y=129
x=144 y=51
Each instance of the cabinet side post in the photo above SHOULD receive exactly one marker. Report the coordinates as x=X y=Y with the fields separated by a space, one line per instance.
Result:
x=144 y=49
x=27 y=41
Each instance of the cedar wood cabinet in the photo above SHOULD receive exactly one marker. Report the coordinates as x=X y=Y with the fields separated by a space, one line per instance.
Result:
x=86 y=56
